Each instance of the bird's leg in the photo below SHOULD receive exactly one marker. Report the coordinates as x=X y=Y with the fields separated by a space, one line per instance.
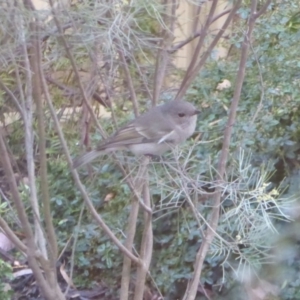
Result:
x=152 y=157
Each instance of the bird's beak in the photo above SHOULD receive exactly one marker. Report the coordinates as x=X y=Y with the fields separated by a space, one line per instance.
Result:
x=197 y=112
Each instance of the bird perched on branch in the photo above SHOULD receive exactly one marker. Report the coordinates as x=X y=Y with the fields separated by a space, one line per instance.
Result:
x=153 y=133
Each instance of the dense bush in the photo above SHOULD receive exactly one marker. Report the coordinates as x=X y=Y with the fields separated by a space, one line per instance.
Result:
x=264 y=149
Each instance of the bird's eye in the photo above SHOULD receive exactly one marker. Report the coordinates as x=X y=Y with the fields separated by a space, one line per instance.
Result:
x=181 y=115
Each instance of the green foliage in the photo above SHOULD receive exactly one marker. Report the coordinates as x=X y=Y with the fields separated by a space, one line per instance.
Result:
x=5 y=276
x=268 y=114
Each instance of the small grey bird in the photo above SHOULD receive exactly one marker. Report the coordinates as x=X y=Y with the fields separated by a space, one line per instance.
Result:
x=153 y=133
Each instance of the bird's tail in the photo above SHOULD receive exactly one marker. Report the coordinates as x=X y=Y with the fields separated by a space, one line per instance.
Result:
x=85 y=158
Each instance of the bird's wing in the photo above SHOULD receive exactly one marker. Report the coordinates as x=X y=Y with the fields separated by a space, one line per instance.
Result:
x=153 y=133
x=168 y=137
x=133 y=133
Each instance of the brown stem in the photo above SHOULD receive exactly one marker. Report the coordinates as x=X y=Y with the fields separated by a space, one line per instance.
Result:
x=29 y=136
x=143 y=78
x=211 y=231
x=130 y=234
x=78 y=183
x=36 y=63
x=130 y=83
x=12 y=236
x=133 y=187
x=263 y=9
x=198 y=33
x=147 y=239
x=162 y=57
x=74 y=67
x=72 y=92
x=12 y=97
x=31 y=247
x=193 y=72
x=197 y=50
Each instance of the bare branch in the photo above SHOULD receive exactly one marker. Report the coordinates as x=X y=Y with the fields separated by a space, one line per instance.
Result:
x=147 y=239
x=29 y=136
x=197 y=34
x=12 y=236
x=143 y=77
x=76 y=178
x=195 y=68
x=12 y=97
x=130 y=83
x=130 y=234
x=195 y=57
x=36 y=63
x=263 y=9
x=31 y=247
x=223 y=13
x=214 y=219
x=72 y=92
x=162 y=57
x=75 y=69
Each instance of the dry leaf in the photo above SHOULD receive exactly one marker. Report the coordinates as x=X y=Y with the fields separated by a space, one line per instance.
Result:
x=225 y=84
x=109 y=197
x=65 y=276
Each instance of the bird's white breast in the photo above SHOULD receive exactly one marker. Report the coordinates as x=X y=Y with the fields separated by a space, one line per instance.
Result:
x=149 y=148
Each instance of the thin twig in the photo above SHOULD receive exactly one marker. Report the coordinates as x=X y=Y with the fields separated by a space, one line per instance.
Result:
x=72 y=259
x=73 y=92
x=78 y=183
x=199 y=46
x=12 y=97
x=130 y=83
x=12 y=236
x=196 y=34
x=195 y=67
x=74 y=66
x=143 y=78
x=262 y=95
x=263 y=9
x=31 y=247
